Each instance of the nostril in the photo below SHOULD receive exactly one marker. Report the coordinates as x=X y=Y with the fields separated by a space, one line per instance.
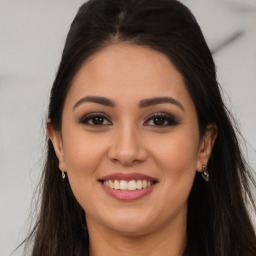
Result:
x=127 y=149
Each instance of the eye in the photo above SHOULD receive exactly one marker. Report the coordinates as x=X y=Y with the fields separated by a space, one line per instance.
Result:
x=161 y=119
x=96 y=119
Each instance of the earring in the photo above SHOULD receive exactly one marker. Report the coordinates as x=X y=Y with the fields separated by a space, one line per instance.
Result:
x=63 y=175
x=205 y=173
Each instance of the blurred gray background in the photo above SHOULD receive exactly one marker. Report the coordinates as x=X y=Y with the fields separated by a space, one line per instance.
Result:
x=32 y=36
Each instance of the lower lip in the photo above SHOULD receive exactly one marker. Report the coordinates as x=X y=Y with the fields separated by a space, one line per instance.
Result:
x=128 y=195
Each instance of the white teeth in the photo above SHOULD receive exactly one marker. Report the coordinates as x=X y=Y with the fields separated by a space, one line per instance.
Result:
x=139 y=184
x=128 y=185
x=144 y=183
x=116 y=184
x=111 y=184
x=132 y=185
x=123 y=184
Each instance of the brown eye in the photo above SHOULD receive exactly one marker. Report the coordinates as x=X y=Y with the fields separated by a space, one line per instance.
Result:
x=161 y=120
x=95 y=119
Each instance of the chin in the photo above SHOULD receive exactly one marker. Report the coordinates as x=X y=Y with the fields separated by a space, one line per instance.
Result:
x=131 y=223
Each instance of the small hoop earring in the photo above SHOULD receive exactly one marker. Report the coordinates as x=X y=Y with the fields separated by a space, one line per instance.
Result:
x=63 y=175
x=205 y=173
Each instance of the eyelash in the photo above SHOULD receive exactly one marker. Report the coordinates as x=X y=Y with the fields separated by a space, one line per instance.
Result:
x=166 y=119
x=171 y=121
x=86 y=119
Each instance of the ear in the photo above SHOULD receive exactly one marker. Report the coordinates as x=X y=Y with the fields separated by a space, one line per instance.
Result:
x=56 y=140
x=206 y=145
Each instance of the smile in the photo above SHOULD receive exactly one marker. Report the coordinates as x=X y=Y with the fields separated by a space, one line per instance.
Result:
x=128 y=187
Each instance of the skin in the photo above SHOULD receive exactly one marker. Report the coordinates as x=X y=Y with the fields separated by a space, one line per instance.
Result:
x=130 y=140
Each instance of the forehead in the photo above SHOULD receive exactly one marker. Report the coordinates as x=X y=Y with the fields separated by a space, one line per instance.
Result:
x=128 y=70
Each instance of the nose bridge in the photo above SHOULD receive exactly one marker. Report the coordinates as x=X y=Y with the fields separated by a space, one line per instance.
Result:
x=127 y=146
x=127 y=138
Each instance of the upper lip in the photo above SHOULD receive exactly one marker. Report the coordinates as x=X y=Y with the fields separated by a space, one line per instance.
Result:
x=127 y=176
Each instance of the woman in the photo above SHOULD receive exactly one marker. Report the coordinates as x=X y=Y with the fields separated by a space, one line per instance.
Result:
x=142 y=156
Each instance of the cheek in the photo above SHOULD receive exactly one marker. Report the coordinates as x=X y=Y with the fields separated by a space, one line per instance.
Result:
x=82 y=157
x=177 y=161
x=178 y=153
x=177 y=158
x=81 y=151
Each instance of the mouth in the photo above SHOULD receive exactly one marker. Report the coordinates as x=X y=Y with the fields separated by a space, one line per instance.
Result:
x=128 y=187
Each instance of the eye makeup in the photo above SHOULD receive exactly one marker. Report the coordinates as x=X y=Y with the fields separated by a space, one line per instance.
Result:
x=161 y=120
x=157 y=120
x=95 y=119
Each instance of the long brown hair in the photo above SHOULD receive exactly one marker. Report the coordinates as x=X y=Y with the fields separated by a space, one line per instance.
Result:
x=218 y=223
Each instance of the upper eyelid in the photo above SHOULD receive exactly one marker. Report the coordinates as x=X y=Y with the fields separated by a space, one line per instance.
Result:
x=93 y=114
x=169 y=117
x=148 y=116
x=164 y=114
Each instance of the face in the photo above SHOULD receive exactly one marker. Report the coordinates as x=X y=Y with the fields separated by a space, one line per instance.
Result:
x=130 y=141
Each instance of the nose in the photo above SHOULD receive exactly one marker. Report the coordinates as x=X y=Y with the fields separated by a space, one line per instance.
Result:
x=127 y=147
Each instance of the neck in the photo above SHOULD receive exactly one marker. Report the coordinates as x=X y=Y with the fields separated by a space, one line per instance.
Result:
x=169 y=240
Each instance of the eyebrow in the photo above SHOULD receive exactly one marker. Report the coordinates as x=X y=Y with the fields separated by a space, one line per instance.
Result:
x=160 y=100
x=143 y=104
x=95 y=99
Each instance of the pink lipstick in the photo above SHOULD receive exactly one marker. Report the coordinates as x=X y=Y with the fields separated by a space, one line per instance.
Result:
x=128 y=187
